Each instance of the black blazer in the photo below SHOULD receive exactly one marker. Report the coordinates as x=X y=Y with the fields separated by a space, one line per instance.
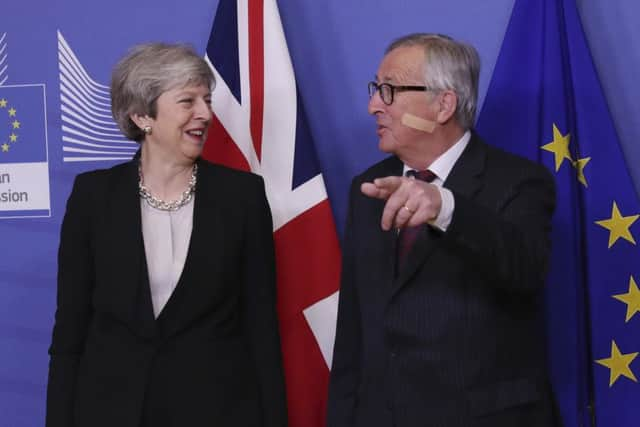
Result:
x=212 y=357
x=456 y=338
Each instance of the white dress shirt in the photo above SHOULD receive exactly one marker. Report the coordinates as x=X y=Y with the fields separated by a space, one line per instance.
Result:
x=441 y=167
x=166 y=237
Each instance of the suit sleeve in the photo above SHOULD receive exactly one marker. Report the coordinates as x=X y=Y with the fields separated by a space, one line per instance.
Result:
x=345 y=369
x=73 y=312
x=510 y=244
x=260 y=308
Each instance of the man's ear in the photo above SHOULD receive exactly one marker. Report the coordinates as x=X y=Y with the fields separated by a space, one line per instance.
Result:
x=447 y=106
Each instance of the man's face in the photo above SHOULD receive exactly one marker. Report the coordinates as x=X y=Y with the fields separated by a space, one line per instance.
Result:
x=402 y=66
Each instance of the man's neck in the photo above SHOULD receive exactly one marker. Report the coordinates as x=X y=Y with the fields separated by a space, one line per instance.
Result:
x=436 y=145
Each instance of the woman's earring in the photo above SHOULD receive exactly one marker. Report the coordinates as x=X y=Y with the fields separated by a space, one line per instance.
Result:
x=147 y=130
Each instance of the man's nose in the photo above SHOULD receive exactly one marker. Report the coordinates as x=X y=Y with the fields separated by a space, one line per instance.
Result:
x=375 y=103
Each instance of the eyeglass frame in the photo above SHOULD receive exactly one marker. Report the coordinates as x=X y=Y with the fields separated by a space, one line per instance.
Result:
x=374 y=87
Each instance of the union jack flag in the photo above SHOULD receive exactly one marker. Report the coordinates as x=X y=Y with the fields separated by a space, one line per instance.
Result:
x=260 y=125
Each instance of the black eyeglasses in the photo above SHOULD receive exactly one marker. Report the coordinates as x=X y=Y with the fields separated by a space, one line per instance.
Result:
x=387 y=90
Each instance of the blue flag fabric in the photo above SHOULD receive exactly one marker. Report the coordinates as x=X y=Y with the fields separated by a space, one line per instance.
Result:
x=545 y=103
x=22 y=124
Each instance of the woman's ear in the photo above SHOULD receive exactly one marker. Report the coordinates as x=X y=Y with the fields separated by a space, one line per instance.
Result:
x=140 y=121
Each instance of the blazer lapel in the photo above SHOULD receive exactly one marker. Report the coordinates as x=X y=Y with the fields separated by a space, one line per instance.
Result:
x=464 y=179
x=128 y=294
x=197 y=282
x=389 y=239
x=466 y=176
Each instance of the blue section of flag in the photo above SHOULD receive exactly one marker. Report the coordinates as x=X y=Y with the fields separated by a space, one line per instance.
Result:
x=22 y=124
x=545 y=77
x=222 y=48
x=306 y=163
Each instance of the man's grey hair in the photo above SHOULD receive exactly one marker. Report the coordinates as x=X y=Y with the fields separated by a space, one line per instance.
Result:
x=449 y=65
x=147 y=71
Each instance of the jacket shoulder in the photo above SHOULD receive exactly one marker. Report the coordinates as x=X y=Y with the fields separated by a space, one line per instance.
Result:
x=515 y=165
x=209 y=170
x=504 y=163
x=97 y=180
x=388 y=166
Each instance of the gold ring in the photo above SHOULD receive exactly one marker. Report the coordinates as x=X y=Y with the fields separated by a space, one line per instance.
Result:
x=408 y=210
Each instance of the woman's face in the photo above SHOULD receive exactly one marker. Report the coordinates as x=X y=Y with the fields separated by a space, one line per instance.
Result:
x=180 y=127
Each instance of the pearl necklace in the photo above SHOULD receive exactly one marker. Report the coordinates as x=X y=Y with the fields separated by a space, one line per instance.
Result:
x=173 y=205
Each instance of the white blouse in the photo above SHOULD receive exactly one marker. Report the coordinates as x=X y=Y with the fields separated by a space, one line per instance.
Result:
x=166 y=237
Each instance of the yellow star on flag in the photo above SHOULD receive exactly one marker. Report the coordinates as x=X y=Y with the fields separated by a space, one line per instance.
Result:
x=631 y=298
x=5 y=147
x=618 y=225
x=16 y=124
x=12 y=112
x=3 y=103
x=13 y=137
x=618 y=364
x=579 y=165
x=559 y=147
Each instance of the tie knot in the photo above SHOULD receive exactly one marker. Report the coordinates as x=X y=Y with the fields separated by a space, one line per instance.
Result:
x=425 y=175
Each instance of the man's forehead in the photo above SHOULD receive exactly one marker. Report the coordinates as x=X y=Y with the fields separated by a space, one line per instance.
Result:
x=399 y=73
x=401 y=64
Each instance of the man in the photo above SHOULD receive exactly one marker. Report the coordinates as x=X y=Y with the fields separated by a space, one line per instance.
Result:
x=439 y=315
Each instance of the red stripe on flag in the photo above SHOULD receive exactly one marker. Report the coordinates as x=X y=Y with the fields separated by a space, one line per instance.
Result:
x=308 y=268
x=220 y=148
x=256 y=71
x=306 y=374
x=308 y=271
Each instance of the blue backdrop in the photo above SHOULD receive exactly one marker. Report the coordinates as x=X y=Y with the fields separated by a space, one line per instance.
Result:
x=336 y=46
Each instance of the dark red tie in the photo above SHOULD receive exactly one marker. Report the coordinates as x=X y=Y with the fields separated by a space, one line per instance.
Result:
x=408 y=235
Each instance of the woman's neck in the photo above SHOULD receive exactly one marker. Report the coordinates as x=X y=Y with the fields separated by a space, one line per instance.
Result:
x=165 y=178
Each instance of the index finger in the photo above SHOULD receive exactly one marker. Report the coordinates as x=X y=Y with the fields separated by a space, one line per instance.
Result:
x=388 y=183
x=371 y=190
x=381 y=188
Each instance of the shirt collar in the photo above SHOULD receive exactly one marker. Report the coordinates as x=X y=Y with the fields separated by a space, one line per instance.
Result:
x=442 y=166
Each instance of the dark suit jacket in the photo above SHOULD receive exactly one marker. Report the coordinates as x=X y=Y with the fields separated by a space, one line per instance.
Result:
x=212 y=357
x=455 y=339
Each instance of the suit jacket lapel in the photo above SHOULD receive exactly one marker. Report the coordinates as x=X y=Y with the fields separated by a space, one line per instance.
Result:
x=128 y=294
x=464 y=179
x=466 y=176
x=389 y=239
x=198 y=282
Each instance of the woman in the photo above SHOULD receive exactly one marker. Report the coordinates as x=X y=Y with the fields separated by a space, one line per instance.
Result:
x=166 y=282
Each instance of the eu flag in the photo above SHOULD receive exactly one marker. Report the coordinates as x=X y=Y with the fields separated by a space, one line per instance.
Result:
x=22 y=124
x=545 y=102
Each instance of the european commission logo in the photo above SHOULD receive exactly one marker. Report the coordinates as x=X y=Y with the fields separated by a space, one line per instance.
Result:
x=88 y=131
x=24 y=168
